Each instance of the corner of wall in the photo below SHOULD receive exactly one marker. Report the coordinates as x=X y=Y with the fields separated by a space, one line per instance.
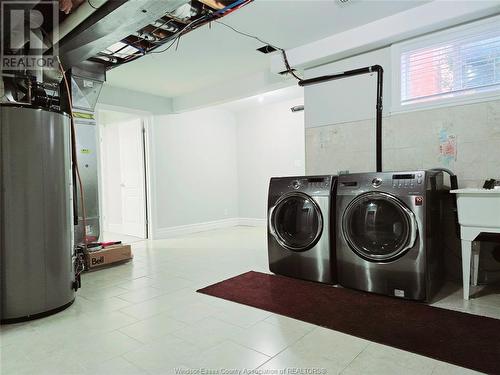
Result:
x=183 y=230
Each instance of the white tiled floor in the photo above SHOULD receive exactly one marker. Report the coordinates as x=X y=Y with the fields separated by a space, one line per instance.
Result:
x=144 y=317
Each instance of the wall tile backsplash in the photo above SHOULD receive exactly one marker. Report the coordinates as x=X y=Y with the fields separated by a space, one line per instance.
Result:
x=464 y=138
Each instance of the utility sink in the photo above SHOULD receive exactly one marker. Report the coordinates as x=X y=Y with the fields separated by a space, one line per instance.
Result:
x=478 y=212
x=478 y=207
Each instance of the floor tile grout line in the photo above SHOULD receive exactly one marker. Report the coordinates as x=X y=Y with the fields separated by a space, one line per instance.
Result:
x=133 y=364
x=352 y=360
x=247 y=347
x=147 y=343
x=288 y=346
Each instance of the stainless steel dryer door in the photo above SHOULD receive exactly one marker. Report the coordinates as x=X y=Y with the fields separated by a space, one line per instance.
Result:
x=296 y=221
x=379 y=227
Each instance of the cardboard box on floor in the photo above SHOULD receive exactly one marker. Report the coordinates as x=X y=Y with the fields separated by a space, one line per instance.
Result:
x=108 y=255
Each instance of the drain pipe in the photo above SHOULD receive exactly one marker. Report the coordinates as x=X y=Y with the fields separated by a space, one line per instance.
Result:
x=380 y=81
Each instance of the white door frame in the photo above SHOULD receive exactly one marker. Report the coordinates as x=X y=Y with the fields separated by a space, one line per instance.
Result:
x=147 y=119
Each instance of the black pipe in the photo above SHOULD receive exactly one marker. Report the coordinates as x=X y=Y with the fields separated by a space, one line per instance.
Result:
x=380 y=85
x=380 y=107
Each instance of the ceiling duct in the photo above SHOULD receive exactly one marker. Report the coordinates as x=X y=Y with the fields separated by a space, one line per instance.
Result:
x=120 y=31
x=87 y=80
x=85 y=10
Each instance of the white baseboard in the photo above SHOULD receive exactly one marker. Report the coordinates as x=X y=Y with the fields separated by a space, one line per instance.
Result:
x=182 y=230
x=251 y=222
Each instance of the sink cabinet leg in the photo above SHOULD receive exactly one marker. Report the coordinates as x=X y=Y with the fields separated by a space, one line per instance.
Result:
x=466 y=266
x=475 y=262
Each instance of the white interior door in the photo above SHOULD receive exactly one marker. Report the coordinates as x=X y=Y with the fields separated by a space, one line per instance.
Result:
x=132 y=178
x=123 y=178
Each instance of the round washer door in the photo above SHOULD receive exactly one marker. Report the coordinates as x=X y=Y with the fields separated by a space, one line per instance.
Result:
x=296 y=222
x=379 y=227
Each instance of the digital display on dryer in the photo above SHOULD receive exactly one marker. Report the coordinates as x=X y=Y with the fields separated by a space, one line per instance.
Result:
x=403 y=176
x=316 y=179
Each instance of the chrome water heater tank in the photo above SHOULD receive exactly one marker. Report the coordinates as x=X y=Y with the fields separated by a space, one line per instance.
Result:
x=36 y=226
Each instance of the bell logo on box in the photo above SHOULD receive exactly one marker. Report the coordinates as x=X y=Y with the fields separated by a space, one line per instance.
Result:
x=97 y=261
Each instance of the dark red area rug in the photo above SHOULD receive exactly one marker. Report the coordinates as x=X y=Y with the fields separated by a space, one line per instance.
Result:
x=462 y=339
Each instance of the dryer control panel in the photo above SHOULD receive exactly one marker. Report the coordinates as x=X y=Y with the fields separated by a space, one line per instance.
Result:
x=407 y=180
x=399 y=183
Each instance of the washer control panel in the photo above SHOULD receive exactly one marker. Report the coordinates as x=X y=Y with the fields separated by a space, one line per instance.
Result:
x=311 y=183
x=407 y=180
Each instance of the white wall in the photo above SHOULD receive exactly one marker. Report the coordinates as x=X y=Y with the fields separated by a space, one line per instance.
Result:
x=347 y=99
x=340 y=134
x=210 y=168
x=340 y=115
x=270 y=143
x=195 y=168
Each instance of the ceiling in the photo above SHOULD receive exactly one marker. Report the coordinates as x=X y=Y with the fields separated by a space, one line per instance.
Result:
x=213 y=55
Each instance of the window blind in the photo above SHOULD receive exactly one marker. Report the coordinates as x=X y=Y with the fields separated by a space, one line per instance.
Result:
x=464 y=63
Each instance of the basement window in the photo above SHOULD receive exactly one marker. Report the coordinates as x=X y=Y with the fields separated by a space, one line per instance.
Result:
x=461 y=64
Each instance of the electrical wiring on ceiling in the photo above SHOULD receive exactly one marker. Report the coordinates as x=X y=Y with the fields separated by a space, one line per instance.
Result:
x=178 y=36
x=288 y=70
x=174 y=39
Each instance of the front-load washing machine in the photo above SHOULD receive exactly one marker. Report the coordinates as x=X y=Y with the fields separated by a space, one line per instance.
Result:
x=301 y=228
x=389 y=232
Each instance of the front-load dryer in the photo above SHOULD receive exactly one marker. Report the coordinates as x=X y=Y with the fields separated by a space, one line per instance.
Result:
x=301 y=230
x=389 y=232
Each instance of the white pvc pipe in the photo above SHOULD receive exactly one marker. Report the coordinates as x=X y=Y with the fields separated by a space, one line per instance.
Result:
x=76 y=18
